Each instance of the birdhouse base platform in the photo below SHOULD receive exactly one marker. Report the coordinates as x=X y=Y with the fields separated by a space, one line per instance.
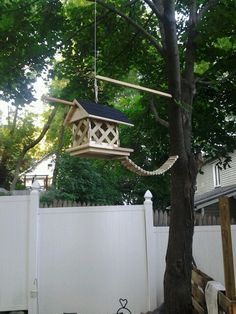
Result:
x=99 y=152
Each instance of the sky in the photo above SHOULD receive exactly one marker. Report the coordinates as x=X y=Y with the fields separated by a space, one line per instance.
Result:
x=36 y=106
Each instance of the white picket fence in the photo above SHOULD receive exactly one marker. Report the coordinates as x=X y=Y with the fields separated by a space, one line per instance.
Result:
x=87 y=260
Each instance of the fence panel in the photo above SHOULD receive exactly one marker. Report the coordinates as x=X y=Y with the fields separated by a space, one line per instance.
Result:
x=14 y=252
x=162 y=219
x=64 y=203
x=207 y=252
x=90 y=257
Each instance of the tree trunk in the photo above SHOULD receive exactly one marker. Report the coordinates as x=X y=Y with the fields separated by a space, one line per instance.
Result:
x=13 y=127
x=17 y=169
x=177 y=279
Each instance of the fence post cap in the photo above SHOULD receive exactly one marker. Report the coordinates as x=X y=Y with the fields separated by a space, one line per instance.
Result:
x=36 y=186
x=148 y=196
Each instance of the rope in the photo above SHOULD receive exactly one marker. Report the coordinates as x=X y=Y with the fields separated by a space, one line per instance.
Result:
x=130 y=165
x=126 y=162
x=95 y=52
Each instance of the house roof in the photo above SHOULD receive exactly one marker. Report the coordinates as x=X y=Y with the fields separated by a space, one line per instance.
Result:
x=50 y=157
x=99 y=110
x=212 y=196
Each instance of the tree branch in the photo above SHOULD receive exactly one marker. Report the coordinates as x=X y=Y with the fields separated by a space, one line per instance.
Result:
x=132 y=2
x=188 y=76
x=43 y=132
x=154 y=8
x=216 y=82
x=205 y=8
x=148 y=36
x=160 y=8
x=26 y=148
x=172 y=51
x=157 y=117
x=126 y=48
x=12 y=131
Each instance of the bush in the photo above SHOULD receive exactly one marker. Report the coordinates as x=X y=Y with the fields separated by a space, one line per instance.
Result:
x=54 y=194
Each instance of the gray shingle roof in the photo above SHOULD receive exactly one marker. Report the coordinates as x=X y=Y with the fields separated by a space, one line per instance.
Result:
x=213 y=195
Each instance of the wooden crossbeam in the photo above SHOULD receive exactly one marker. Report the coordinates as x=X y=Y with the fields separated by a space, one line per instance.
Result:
x=138 y=87
x=62 y=101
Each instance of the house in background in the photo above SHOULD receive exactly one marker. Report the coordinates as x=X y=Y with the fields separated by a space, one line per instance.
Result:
x=42 y=171
x=213 y=183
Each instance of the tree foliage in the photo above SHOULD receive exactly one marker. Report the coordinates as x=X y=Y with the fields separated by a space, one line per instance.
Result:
x=19 y=148
x=14 y=135
x=84 y=181
x=30 y=34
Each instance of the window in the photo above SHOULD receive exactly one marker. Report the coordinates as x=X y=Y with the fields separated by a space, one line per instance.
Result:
x=216 y=175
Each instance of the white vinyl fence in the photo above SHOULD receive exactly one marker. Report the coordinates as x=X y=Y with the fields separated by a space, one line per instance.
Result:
x=14 y=248
x=90 y=257
x=207 y=253
x=89 y=260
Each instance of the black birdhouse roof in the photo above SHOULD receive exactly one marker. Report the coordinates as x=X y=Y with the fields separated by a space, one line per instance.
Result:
x=102 y=111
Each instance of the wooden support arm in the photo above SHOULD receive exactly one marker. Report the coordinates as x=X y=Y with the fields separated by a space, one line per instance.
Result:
x=138 y=87
x=62 y=101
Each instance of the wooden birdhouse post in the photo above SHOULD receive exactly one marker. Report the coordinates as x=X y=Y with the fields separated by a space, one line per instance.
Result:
x=95 y=130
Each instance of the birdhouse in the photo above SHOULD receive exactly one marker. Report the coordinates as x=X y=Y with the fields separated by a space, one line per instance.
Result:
x=95 y=130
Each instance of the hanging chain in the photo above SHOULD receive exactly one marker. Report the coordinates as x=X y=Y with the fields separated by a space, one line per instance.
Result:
x=95 y=52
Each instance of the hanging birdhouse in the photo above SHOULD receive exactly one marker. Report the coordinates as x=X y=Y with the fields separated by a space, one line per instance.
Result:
x=95 y=130
x=95 y=134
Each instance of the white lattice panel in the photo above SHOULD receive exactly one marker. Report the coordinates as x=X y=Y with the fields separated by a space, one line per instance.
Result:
x=80 y=132
x=104 y=133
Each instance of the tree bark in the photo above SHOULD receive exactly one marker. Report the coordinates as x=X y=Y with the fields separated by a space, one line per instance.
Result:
x=177 y=279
